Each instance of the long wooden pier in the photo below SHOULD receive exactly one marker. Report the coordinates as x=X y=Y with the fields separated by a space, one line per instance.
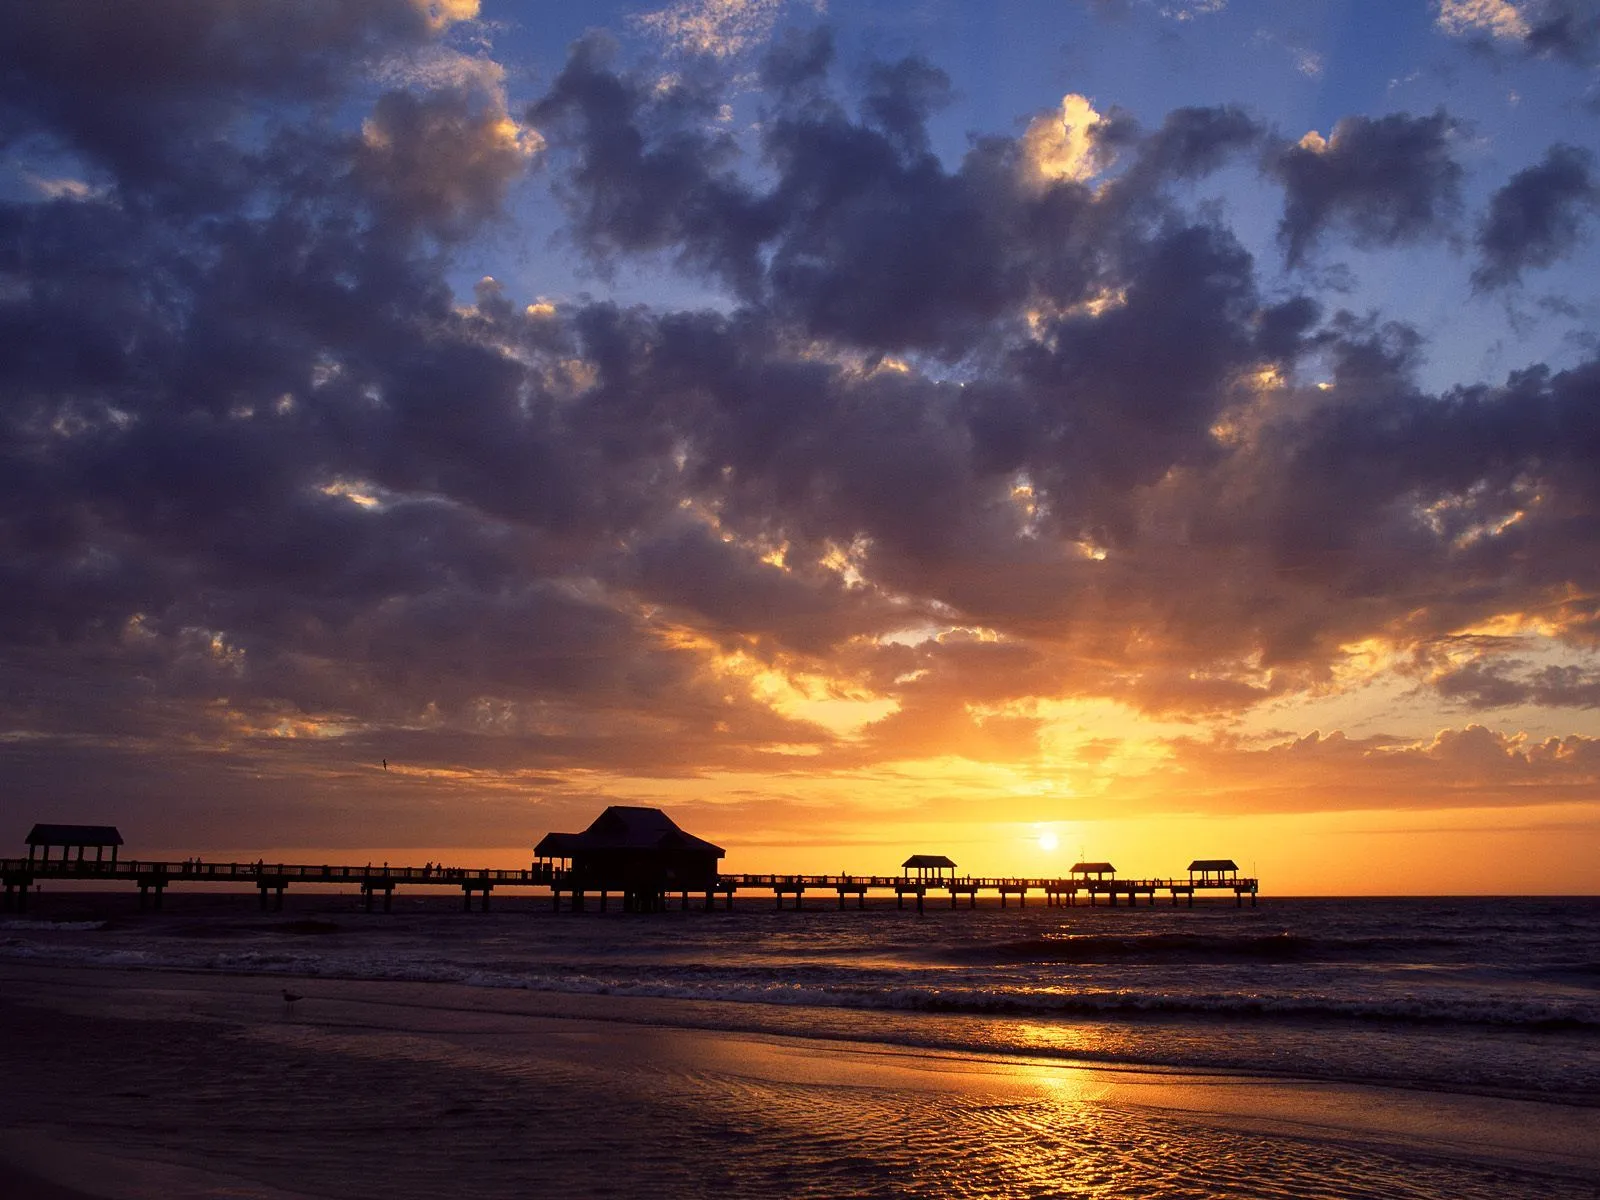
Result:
x=18 y=875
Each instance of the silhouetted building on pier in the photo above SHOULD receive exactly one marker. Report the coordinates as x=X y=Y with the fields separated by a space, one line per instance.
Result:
x=45 y=837
x=1099 y=870
x=1214 y=871
x=928 y=866
x=639 y=852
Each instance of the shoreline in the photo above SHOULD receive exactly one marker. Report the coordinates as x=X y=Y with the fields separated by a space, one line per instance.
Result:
x=593 y=1050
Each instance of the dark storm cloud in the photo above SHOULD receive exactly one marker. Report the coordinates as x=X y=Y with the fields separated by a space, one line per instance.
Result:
x=1538 y=216
x=147 y=91
x=648 y=173
x=1500 y=685
x=1565 y=29
x=1386 y=180
x=442 y=160
x=1190 y=142
x=862 y=235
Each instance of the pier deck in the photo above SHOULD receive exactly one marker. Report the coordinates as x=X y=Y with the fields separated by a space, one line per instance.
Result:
x=18 y=875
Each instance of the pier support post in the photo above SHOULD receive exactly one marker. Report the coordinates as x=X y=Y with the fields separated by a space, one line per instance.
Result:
x=919 y=903
x=711 y=900
x=900 y=901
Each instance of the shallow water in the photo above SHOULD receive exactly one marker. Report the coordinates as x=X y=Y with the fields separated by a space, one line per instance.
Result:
x=1476 y=995
x=419 y=1090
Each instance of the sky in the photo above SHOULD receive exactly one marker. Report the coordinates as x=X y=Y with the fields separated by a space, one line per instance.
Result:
x=1131 y=429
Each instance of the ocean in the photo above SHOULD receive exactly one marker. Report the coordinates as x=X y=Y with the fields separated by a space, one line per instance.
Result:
x=1464 y=1011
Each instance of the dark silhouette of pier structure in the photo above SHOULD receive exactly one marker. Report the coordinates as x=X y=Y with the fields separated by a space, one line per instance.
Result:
x=637 y=854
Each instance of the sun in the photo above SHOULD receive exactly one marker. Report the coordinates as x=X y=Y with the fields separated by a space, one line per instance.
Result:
x=1048 y=841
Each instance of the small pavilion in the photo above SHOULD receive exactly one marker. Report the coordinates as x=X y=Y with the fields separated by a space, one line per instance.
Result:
x=43 y=837
x=1097 y=869
x=928 y=867
x=1214 y=870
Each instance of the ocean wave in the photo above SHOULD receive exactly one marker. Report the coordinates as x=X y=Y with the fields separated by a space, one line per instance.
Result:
x=1198 y=948
x=704 y=983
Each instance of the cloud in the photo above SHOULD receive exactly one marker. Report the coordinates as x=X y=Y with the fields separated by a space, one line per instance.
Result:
x=1497 y=18
x=1485 y=686
x=1455 y=768
x=1563 y=29
x=1387 y=180
x=961 y=440
x=1537 y=217
x=442 y=161
x=719 y=28
x=172 y=77
x=1062 y=145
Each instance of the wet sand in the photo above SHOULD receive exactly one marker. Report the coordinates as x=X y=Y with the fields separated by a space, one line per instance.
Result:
x=143 y=1083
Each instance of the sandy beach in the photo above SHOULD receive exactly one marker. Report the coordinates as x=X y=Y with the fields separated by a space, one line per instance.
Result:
x=142 y=1083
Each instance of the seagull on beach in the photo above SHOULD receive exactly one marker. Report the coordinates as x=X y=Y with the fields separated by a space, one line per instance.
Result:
x=290 y=997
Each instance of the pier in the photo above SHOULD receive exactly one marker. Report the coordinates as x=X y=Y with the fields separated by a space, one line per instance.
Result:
x=377 y=885
x=638 y=854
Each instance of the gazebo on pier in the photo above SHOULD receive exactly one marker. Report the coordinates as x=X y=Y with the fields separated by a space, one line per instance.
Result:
x=1097 y=869
x=44 y=837
x=1214 y=871
x=928 y=867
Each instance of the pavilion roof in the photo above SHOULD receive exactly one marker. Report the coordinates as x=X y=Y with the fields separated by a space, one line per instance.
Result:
x=45 y=834
x=625 y=827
